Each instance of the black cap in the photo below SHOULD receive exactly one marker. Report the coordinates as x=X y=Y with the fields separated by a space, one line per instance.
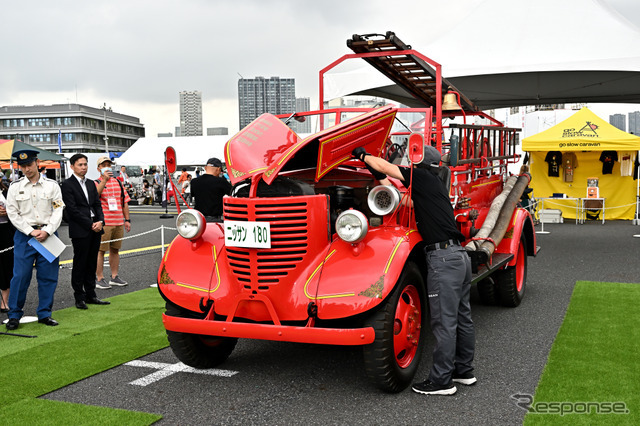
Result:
x=431 y=157
x=214 y=162
x=25 y=156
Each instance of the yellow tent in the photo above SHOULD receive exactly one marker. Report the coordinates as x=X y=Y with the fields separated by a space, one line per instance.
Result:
x=564 y=156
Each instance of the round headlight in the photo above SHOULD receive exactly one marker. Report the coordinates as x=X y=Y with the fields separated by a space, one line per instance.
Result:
x=190 y=224
x=383 y=199
x=352 y=226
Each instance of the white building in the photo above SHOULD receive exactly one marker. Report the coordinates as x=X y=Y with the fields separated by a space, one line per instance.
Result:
x=80 y=128
x=190 y=113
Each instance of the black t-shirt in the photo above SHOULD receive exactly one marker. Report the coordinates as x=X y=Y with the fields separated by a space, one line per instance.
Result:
x=208 y=190
x=434 y=213
x=608 y=158
x=554 y=158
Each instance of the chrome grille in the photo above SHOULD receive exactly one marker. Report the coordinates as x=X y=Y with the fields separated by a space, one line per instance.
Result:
x=261 y=268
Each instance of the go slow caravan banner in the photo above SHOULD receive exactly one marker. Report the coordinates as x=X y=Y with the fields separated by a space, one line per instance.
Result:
x=583 y=131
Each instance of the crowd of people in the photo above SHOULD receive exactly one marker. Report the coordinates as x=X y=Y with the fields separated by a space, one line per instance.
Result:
x=97 y=212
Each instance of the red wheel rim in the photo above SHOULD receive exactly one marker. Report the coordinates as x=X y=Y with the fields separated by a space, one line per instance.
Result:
x=406 y=326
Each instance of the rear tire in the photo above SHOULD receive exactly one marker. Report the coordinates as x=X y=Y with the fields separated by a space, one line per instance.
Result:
x=488 y=291
x=511 y=281
x=392 y=360
x=195 y=350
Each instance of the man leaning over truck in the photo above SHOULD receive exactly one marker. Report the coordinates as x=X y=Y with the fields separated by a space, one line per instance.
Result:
x=448 y=272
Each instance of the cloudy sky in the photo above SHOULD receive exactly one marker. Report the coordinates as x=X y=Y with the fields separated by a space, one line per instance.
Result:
x=136 y=55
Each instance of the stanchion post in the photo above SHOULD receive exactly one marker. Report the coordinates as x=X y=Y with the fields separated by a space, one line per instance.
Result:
x=162 y=239
x=161 y=249
x=636 y=221
x=541 y=231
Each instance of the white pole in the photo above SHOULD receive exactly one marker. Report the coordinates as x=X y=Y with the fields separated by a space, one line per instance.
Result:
x=162 y=238
x=636 y=221
x=541 y=231
x=106 y=138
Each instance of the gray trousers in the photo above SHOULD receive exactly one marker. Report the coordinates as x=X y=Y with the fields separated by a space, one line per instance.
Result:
x=448 y=289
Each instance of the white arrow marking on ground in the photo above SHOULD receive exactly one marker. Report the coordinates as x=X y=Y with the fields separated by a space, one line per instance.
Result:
x=166 y=370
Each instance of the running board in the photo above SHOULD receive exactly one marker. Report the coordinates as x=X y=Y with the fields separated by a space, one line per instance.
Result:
x=498 y=260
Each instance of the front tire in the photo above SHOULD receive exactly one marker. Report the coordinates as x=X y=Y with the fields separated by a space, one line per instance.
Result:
x=392 y=360
x=195 y=350
x=512 y=280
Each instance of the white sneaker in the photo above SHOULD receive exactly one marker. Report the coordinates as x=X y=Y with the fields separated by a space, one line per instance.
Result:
x=118 y=281
x=466 y=379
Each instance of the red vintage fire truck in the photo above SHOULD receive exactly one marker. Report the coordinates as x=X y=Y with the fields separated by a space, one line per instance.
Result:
x=312 y=249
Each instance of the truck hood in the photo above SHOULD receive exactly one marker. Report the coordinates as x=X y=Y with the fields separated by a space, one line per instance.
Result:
x=267 y=146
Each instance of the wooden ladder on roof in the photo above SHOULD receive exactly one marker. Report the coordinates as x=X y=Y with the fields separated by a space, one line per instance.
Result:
x=407 y=70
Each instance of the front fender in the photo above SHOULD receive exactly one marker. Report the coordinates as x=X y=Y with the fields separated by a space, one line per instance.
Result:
x=356 y=278
x=190 y=272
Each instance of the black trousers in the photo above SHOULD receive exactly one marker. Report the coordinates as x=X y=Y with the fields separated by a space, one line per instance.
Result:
x=85 y=261
x=448 y=288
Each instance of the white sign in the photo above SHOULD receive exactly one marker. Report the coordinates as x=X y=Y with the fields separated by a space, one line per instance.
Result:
x=247 y=234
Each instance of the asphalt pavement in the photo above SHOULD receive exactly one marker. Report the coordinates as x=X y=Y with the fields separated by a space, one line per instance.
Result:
x=284 y=383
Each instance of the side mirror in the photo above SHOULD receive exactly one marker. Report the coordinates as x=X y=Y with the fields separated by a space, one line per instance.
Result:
x=416 y=148
x=170 y=159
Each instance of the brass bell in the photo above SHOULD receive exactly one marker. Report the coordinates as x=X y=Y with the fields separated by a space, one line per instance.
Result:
x=450 y=102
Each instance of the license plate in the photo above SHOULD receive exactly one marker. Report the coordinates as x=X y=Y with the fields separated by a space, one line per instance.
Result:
x=247 y=234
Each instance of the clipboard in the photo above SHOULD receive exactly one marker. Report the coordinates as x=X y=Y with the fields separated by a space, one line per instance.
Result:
x=51 y=248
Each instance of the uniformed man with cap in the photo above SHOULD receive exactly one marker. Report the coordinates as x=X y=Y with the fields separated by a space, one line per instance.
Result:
x=34 y=207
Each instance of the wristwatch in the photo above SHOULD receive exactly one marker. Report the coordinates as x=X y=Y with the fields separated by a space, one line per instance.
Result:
x=127 y=220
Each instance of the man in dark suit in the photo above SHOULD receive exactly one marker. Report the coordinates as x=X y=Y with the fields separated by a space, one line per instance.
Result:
x=85 y=217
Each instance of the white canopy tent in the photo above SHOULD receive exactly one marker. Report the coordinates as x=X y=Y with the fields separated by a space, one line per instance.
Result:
x=523 y=53
x=190 y=151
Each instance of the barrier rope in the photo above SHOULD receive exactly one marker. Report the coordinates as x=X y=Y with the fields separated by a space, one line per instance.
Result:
x=117 y=239
x=546 y=200
x=130 y=236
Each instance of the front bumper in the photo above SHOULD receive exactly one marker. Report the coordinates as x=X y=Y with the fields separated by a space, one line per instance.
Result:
x=283 y=333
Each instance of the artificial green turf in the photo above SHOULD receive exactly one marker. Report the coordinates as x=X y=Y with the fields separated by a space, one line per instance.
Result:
x=594 y=357
x=85 y=343
x=34 y=411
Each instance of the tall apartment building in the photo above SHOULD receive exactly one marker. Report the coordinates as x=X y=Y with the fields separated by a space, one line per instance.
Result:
x=258 y=95
x=619 y=121
x=190 y=113
x=302 y=104
x=82 y=127
x=634 y=123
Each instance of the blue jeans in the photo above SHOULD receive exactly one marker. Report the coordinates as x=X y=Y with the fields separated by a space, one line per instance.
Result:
x=448 y=290
x=46 y=273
